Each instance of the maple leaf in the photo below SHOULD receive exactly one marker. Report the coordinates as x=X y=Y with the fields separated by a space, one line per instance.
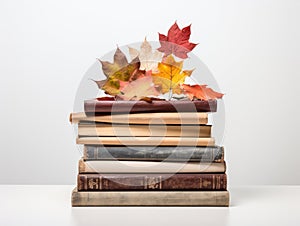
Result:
x=138 y=89
x=170 y=75
x=148 y=59
x=176 y=42
x=130 y=72
x=200 y=92
x=120 y=61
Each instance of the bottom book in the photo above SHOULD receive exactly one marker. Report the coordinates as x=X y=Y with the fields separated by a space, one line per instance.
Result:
x=150 y=198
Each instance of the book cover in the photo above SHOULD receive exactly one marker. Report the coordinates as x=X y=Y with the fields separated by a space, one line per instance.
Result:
x=154 y=130
x=150 y=198
x=148 y=141
x=141 y=182
x=149 y=153
x=144 y=118
x=150 y=167
x=110 y=106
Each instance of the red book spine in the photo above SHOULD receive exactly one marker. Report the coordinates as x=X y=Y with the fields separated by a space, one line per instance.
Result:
x=98 y=107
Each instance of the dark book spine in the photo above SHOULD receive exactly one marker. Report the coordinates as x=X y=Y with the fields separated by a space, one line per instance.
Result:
x=135 y=182
x=167 y=153
x=96 y=107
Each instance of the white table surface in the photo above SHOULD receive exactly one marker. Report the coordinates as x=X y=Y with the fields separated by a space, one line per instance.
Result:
x=51 y=205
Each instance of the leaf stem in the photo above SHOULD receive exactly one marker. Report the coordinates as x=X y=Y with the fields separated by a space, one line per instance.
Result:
x=171 y=77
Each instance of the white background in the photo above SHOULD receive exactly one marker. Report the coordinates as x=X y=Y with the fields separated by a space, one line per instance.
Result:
x=251 y=47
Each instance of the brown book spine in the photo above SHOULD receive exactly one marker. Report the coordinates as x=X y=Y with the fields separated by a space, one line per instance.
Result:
x=98 y=107
x=164 y=182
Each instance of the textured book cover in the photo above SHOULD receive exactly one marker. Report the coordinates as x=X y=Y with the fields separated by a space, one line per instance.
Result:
x=142 y=182
x=150 y=198
x=149 y=153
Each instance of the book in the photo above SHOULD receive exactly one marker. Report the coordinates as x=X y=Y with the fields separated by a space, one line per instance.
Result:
x=150 y=198
x=147 y=141
x=144 y=118
x=150 y=167
x=149 y=153
x=123 y=130
x=110 y=106
x=140 y=182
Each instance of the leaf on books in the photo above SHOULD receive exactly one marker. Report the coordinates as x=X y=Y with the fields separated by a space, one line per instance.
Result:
x=148 y=58
x=130 y=72
x=201 y=92
x=176 y=42
x=170 y=75
x=138 y=89
x=120 y=61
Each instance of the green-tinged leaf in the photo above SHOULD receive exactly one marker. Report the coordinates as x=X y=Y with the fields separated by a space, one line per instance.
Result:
x=120 y=61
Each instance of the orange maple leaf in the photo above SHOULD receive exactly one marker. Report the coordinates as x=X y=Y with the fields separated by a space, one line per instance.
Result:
x=201 y=92
x=138 y=89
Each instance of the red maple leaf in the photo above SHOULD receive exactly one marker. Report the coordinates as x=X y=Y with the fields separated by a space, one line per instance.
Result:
x=177 y=41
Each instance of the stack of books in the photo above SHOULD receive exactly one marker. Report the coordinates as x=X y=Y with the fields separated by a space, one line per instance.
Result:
x=160 y=153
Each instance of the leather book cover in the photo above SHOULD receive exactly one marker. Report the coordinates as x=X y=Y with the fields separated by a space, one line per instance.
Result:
x=111 y=106
x=140 y=182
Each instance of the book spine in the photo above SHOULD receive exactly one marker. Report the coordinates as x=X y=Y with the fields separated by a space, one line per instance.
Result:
x=150 y=198
x=104 y=129
x=148 y=141
x=92 y=107
x=171 y=118
x=150 y=167
x=131 y=182
x=140 y=153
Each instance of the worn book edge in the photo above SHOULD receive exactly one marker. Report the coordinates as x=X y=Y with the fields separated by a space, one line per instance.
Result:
x=147 y=141
x=123 y=130
x=144 y=118
x=100 y=152
x=94 y=106
x=152 y=182
x=150 y=198
x=108 y=166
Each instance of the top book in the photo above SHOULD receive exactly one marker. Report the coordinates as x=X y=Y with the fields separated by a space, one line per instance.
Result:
x=101 y=106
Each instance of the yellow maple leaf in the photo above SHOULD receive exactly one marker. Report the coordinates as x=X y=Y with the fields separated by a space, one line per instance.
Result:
x=170 y=75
